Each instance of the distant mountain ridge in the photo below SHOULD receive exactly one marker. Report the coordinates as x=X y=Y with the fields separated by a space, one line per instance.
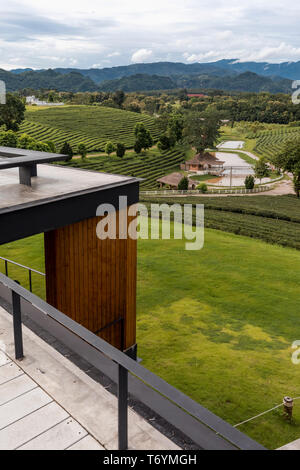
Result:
x=48 y=79
x=245 y=82
x=229 y=75
x=290 y=70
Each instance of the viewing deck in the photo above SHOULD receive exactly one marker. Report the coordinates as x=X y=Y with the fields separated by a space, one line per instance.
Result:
x=47 y=402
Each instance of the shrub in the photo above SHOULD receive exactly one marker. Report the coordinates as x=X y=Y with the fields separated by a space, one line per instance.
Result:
x=40 y=147
x=109 y=148
x=67 y=150
x=82 y=151
x=8 y=139
x=51 y=146
x=25 y=141
x=120 y=150
x=203 y=188
x=249 y=182
x=183 y=184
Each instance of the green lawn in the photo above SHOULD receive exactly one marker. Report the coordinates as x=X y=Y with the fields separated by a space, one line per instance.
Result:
x=203 y=177
x=218 y=324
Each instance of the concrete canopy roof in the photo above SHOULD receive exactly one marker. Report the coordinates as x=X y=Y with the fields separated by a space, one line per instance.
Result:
x=57 y=197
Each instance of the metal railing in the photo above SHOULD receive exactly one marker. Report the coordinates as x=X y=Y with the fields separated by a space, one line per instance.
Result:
x=30 y=270
x=204 y=428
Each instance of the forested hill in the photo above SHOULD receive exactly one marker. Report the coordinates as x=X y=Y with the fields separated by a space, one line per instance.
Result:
x=247 y=82
x=75 y=81
x=139 y=82
x=290 y=70
x=48 y=79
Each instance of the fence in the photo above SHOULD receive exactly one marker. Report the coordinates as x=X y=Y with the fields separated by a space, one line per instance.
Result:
x=204 y=428
x=260 y=189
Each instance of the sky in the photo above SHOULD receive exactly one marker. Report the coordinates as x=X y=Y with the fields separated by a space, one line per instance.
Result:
x=106 y=33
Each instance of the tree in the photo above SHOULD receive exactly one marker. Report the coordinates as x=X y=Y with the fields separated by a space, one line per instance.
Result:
x=120 y=150
x=183 y=95
x=133 y=107
x=175 y=127
x=201 y=130
x=119 y=98
x=289 y=160
x=142 y=136
x=109 y=148
x=183 y=184
x=249 y=182
x=138 y=147
x=261 y=169
x=67 y=150
x=82 y=151
x=164 y=143
x=12 y=113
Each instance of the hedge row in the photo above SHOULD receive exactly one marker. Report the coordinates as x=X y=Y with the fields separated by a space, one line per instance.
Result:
x=149 y=167
x=271 y=142
x=261 y=225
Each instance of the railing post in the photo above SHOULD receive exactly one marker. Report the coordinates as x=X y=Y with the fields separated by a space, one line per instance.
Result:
x=30 y=280
x=17 y=322
x=6 y=268
x=123 y=408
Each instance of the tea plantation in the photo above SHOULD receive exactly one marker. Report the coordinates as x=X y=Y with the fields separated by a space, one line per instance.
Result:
x=270 y=142
x=150 y=165
x=275 y=220
x=91 y=125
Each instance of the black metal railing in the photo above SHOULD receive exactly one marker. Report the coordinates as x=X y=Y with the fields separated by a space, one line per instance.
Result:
x=30 y=270
x=204 y=428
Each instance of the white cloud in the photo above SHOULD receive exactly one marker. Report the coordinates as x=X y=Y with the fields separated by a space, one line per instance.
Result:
x=205 y=57
x=47 y=34
x=114 y=54
x=281 y=52
x=142 y=55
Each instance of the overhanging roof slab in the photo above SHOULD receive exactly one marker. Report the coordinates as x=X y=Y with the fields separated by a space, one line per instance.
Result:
x=57 y=197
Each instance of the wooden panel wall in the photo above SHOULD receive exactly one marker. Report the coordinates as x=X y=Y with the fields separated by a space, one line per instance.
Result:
x=93 y=281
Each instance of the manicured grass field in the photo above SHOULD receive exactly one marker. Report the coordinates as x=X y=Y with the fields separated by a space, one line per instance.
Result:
x=217 y=323
x=91 y=125
x=203 y=177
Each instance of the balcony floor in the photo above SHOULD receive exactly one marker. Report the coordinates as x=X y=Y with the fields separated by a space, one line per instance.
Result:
x=47 y=402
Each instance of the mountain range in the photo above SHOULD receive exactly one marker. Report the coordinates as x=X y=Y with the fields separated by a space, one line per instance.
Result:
x=224 y=74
